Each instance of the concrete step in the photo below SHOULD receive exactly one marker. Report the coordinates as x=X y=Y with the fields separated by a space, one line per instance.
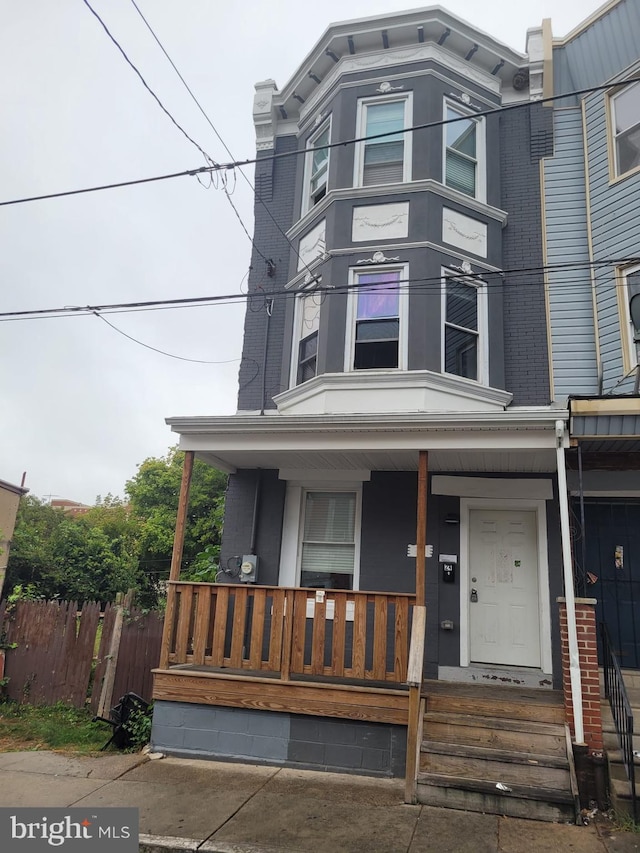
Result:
x=480 y=795
x=620 y=795
x=522 y=736
x=474 y=762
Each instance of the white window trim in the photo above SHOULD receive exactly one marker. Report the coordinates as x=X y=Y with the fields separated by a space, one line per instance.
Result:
x=292 y=527
x=296 y=337
x=481 y=151
x=361 y=129
x=629 y=353
x=403 y=308
x=483 y=326
x=616 y=174
x=308 y=160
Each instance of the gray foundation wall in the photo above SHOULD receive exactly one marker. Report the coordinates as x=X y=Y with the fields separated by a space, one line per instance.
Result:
x=275 y=738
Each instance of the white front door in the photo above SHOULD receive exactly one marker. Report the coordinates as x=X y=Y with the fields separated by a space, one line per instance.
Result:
x=504 y=616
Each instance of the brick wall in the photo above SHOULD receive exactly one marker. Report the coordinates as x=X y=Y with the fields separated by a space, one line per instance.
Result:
x=525 y=136
x=588 y=655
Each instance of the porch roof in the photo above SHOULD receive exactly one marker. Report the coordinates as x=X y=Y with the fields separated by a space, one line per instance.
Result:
x=518 y=439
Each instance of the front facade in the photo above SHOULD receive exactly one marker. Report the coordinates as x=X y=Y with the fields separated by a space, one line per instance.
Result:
x=406 y=370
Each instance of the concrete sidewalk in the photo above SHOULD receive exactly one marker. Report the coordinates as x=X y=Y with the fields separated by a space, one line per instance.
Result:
x=233 y=808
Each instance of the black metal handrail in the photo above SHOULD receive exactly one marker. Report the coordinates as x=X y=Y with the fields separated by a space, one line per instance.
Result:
x=616 y=692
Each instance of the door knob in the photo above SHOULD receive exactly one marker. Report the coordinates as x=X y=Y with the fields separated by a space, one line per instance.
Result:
x=474 y=595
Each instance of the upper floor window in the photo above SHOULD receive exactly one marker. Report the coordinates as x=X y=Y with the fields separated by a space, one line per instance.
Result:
x=629 y=286
x=316 y=168
x=464 y=334
x=386 y=157
x=464 y=160
x=305 y=340
x=378 y=320
x=625 y=123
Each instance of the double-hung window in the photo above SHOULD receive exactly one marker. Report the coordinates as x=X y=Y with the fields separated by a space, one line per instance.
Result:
x=378 y=319
x=625 y=125
x=464 y=160
x=628 y=287
x=316 y=168
x=464 y=328
x=307 y=323
x=328 y=539
x=384 y=156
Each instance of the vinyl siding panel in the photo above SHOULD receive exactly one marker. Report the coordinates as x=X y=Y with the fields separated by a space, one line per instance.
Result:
x=603 y=50
x=615 y=234
x=573 y=344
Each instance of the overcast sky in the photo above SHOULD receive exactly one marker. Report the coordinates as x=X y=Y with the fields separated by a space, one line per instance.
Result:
x=81 y=406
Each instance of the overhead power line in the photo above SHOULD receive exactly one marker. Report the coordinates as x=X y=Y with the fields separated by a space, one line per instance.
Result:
x=257 y=196
x=155 y=349
x=426 y=285
x=238 y=164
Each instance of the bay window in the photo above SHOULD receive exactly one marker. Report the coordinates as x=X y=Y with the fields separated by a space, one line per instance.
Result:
x=464 y=160
x=385 y=158
x=376 y=336
x=464 y=328
x=316 y=168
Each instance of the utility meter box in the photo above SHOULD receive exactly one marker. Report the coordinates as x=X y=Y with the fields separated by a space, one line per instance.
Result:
x=249 y=568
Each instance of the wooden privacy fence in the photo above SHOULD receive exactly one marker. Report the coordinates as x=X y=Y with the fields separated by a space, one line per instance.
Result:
x=290 y=632
x=55 y=652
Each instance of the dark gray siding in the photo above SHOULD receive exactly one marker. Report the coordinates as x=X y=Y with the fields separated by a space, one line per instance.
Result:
x=525 y=325
x=239 y=508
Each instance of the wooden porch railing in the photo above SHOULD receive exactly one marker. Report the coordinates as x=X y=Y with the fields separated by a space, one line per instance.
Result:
x=288 y=631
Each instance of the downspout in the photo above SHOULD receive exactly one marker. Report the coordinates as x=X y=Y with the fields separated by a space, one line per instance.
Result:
x=569 y=591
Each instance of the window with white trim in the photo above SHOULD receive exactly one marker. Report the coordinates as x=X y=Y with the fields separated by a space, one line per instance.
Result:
x=386 y=157
x=625 y=126
x=316 y=170
x=464 y=152
x=378 y=319
x=464 y=328
x=305 y=339
x=630 y=277
x=328 y=539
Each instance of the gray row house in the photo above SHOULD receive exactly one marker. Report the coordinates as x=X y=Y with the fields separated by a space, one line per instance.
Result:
x=433 y=469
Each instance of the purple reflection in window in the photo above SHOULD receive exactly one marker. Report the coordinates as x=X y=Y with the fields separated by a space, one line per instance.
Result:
x=378 y=295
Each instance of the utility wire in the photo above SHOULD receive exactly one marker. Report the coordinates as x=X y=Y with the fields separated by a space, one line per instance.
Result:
x=238 y=164
x=155 y=349
x=226 y=148
x=144 y=82
x=421 y=284
x=210 y=161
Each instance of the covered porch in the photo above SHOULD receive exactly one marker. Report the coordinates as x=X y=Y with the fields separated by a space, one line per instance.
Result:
x=360 y=654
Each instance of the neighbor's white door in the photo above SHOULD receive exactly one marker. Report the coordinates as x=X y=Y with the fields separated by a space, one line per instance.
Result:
x=504 y=616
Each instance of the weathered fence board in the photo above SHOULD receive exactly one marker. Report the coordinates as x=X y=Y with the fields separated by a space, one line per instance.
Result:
x=55 y=649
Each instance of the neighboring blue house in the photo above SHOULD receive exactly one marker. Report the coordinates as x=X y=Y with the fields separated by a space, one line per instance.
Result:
x=592 y=224
x=411 y=346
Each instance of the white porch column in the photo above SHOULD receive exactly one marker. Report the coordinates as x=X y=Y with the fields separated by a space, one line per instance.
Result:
x=569 y=591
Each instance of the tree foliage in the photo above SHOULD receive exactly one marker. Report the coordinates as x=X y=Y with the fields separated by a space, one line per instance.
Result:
x=116 y=545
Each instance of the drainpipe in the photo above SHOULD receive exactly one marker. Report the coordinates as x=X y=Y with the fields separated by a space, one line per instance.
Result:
x=569 y=591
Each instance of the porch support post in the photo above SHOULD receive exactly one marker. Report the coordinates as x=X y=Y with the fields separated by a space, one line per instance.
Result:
x=569 y=590
x=421 y=527
x=181 y=518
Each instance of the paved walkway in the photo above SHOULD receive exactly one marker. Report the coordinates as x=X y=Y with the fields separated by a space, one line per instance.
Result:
x=216 y=807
